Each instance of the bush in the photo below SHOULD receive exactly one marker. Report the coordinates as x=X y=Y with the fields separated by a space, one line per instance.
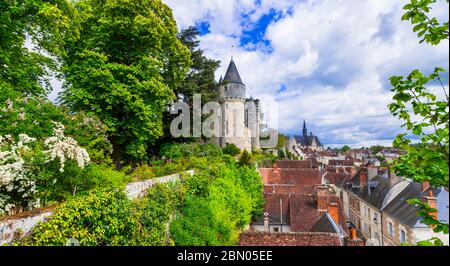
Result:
x=197 y=226
x=162 y=202
x=36 y=116
x=246 y=159
x=231 y=149
x=142 y=172
x=99 y=218
x=174 y=151
x=222 y=198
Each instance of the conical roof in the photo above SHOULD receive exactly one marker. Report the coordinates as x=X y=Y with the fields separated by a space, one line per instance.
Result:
x=232 y=75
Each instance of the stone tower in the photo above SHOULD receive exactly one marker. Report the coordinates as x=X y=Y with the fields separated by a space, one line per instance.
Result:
x=239 y=115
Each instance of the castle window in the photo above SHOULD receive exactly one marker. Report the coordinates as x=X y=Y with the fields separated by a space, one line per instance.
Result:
x=402 y=236
x=391 y=229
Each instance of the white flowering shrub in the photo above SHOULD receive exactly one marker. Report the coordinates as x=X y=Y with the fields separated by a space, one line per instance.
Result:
x=17 y=188
x=23 y=163
x=62 y=148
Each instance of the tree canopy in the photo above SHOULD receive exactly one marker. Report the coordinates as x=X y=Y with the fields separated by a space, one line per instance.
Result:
x=38 y=23
x=123 y=68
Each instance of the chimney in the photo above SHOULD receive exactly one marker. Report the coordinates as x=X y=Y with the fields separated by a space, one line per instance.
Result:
x=266 y=222
x=363 y=177
x=372 y=172
x=333 y=210
x=425 y=185
x=353 y=234
x=322 y=198
x=432 y=202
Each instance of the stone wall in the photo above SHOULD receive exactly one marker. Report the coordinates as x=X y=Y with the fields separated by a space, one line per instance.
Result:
x=138 y=189
x=16 y=226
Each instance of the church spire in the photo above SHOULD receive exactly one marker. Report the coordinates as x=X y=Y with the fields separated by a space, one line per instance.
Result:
x=305 y=131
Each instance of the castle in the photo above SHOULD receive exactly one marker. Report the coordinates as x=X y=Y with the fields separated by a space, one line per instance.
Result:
x=241 y=116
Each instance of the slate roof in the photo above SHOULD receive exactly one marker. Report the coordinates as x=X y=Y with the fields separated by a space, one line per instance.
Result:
x=325 y=225
x=307 y=140
x=379 y=188
x=337 y=179
x=232 y=75
x=399 y=208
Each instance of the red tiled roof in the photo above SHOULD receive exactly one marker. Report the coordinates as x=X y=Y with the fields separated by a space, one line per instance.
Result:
x=304 y=214
x=305 y=177
x=342 y=162
x=292 y=164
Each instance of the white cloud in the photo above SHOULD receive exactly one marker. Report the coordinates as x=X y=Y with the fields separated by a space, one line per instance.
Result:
x=333 y=56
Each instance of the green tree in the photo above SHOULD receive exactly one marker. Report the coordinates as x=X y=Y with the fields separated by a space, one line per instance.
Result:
x=345 y=148
x=124 y=67
x=376 y=149
x=429 y=159
x=200 y=78
x=46 y=23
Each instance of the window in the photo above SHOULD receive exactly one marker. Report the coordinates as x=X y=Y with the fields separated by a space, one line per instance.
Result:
x=391 y=229
x=402 y=236
x=276 y=229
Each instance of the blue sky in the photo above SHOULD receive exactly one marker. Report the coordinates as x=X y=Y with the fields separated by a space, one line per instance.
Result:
x=326 y=61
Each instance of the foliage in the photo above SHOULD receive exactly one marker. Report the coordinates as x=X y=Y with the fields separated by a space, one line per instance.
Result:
x=36 y=116
x=17 y=186
x=221 y=199
x=281 y=154
x=251 y=181
x=246 y=159
x=208 y=208
x=281 y=141
x=264 y=159
x=200 y=78
x=428 y=160
x=24 y=168
x=122 y=68
x=345 y=148
x=231 y=149
x=376 y=149
x=157 y=209
x=142 y=172
x=44 y=22
x=197 y=226
x=430 y=30
x=99 y=218
x=174 y=151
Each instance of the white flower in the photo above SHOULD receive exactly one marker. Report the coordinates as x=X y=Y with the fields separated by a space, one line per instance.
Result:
x=62 y=147
x=15 y=177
